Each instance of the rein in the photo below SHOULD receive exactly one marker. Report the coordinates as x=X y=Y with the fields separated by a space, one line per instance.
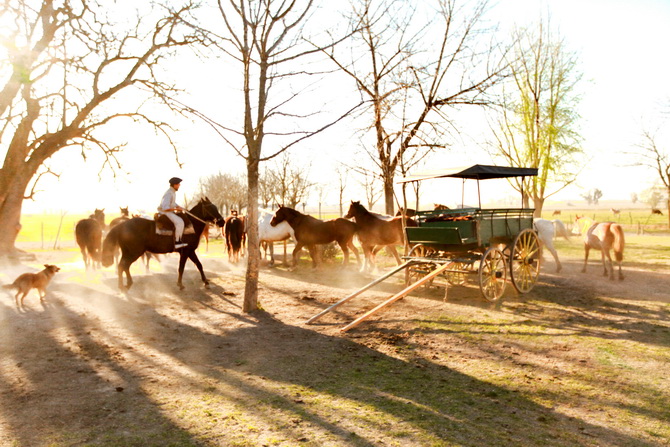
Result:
x=195 y=217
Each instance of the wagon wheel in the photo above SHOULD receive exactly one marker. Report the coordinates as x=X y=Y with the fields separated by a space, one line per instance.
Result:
x=414 y=273
x=525 y=261
x=492 y=274
x=456 y=278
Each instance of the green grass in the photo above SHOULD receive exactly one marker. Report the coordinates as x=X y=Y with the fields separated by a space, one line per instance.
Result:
x=633 y=220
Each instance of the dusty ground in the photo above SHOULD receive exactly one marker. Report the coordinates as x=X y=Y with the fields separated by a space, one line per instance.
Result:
x=98 y=367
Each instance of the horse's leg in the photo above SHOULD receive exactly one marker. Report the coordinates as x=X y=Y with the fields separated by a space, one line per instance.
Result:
x=85 y=256
x=553 y=252
x=296 y=254
x=194 y=258
x=394 y=252
x=345 y=252
x=367 y=259
x=182 y=263
x=355 y=250
x=607 y=263
x=124 y=266
x=586 y=256
x=314 y=254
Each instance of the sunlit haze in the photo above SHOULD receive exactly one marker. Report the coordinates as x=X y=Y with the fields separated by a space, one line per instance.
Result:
x=623 y=50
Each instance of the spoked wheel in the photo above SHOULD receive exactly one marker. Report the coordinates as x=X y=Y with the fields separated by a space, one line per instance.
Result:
x=456 y=277
x=492 y=274
x=415 y=272
x=525 y=261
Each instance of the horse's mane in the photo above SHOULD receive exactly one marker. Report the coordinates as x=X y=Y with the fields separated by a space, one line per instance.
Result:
x=361 y=208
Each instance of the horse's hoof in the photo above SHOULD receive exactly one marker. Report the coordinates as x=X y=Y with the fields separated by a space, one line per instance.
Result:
x=181 y=286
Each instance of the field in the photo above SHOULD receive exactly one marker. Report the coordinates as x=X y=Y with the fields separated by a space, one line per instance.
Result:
x=579 y=361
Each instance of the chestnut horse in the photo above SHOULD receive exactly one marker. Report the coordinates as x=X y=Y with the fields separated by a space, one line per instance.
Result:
x=138 y=235
x=88 y=234
x=603 y=236
x=375 y=233
x=310 y=232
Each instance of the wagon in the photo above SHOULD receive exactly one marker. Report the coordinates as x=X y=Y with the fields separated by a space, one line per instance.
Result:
x=490 y=244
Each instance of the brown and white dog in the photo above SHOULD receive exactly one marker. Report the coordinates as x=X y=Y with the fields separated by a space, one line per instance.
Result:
x=27 y=281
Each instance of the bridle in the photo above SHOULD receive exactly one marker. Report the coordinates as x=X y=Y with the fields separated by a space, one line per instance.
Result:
x=206 y=213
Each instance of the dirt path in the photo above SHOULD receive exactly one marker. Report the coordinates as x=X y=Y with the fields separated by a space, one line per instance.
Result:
x=98 y=367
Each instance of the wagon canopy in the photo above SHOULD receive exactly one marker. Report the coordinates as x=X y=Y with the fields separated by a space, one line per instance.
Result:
x=479 y=172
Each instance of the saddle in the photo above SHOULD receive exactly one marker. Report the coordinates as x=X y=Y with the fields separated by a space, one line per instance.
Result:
x=165 y=227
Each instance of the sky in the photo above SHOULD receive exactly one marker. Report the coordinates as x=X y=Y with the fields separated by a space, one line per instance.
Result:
x=623 y=47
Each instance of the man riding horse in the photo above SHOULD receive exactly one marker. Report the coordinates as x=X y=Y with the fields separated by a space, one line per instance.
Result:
x=168 y=207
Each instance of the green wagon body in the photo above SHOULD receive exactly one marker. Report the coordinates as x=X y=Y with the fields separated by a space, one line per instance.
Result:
x=469 y=229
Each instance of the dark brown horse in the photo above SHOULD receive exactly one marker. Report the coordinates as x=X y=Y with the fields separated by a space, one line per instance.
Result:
x=234 y=232
x=310 y=232
x=122 y=218
x=375 y=233
x=88 y=234
x=138 y=235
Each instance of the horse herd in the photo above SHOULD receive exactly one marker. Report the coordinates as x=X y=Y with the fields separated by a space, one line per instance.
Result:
x=129 y=238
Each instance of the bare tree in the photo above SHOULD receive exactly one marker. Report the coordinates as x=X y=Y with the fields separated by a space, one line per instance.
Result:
x=654 y=156
x=290 y=182
x=371 y=186
x=227 y=191
x=62 y=68
x=409 y=88
x=342 y=175
x=267 y=39
x=537 y=126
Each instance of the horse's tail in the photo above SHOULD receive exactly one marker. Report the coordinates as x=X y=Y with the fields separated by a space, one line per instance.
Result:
x=109 y=246
x=619 y=241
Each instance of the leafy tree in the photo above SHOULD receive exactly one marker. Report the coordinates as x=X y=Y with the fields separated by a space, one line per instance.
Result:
x=537 y=125
x=653 y=196
x=64 y=68
x=593 y=196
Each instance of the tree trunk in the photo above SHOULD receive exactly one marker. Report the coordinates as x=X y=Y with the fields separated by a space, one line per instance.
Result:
x=539 y=204
x=11 y=201
x=253 y=253
x=389 y=204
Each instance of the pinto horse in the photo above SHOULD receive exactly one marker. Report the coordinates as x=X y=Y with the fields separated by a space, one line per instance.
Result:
x=603 y=236
x=310 y=232
x=138 y=235
x=375 y=233
x=88 y=234
x=268 y=234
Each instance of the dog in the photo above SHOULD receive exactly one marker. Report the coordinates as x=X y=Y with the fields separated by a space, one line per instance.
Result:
x=27 y=281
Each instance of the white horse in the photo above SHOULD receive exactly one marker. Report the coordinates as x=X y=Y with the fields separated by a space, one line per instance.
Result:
x=545 y=232
x=267 y=234
x=560 y=230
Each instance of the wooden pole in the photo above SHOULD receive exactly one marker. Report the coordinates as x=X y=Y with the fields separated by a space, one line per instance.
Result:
x=397 y=296
x=361 y=290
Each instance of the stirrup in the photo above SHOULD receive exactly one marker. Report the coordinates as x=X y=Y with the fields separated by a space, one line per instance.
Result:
x=180 y=245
